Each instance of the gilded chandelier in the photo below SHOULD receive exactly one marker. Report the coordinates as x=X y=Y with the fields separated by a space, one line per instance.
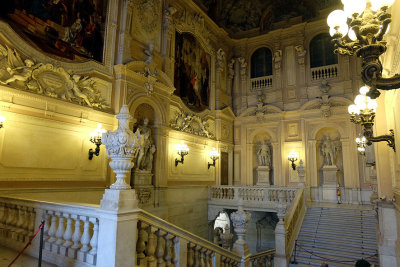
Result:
x=358 y=29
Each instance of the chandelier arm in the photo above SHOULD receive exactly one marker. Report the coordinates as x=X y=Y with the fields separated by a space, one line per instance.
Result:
x=381 y=33
x=389 y=138
x=381 y=83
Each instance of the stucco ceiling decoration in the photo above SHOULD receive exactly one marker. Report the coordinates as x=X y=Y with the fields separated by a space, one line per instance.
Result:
x=244 y=15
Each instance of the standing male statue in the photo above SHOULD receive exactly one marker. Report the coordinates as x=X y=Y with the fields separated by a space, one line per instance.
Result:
x=263 y=154
x=328 y=150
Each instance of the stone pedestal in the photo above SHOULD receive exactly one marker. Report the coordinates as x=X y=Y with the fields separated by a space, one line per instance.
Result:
x=329 y=172
x=263 y=175
x=141 y=177
x=240 y=219
x=119 y=200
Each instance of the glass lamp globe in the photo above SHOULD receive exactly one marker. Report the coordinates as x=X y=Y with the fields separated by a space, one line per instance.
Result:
x=352 y=35
x=354 y=6
x=352 y=109
x=359 y=100
x=343 y=29
x=336 y=18
x=364 y=90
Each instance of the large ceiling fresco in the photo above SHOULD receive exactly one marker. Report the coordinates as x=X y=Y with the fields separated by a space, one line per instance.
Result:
x=243 y=15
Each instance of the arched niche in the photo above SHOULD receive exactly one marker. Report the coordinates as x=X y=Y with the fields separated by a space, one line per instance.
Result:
x=329 y=137
x=262 y=159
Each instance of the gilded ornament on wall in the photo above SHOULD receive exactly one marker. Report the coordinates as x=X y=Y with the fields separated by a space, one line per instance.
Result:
x=191 y=124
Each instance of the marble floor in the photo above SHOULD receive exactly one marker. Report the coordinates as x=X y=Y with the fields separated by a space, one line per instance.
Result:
x=7 y=255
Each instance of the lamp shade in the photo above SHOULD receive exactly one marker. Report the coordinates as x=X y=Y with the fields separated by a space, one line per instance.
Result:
x=336 y=18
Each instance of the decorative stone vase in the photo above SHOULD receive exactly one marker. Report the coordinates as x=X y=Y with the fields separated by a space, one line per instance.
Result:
x=240 y=219
x=120 y=146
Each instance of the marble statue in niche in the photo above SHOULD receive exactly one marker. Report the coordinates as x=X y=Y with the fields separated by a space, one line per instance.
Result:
x=143 y=159
x=146 y=148
x=329 y=150
x=264 y=154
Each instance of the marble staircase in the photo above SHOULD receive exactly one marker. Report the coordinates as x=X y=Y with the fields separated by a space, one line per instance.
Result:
x=336 y=236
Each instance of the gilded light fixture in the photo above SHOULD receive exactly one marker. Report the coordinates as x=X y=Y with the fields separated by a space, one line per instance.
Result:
x=2 y=120
x=292 y=157
x=363 y=112
x=95 y=138
x=214 y=155
x=359 y=29
x=182 y=150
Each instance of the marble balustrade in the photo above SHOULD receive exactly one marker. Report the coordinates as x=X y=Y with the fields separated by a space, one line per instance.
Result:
x=324 y=72
x=251 y=197
x=262 y=259
x=70 y=232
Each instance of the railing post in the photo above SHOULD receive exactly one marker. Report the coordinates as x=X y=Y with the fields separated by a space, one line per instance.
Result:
x=118 y=224
x=280 y=238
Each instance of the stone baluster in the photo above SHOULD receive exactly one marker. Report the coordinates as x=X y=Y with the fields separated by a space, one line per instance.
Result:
x=25 y=225
x=196 y=256
x=76 y=237
x=21 y=216
x=91 y=257
x=175 y=254
x=46 y=226
x=207 y=258
x=167 y=250
x=68 y=232
x=240 y=219
x=32 y=215
x=201 y=257
x=85 y=239
x=60 y=229
x=53 y=228
x=94 y=240
x=141 y=242
x=14 y=217
x=151 y=246
x=190 y=254
x=269 y=260
x=4 y=214
x=159 y=249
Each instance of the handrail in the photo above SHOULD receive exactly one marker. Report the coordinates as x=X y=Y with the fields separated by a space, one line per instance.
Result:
x=262 y=253
x=293 y=220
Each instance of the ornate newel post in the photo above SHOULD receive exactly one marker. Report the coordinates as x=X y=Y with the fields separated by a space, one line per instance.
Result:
x=118 y=224
x=240 y=219
x=120 y=146
x=280 y=237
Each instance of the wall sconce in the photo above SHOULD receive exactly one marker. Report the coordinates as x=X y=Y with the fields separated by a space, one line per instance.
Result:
x=2 y=120
x=182 y=150
x=293 y=156
x=359 y=30
x=95 y=138
x=363 y=112
x=361 y=143
x=214 y=155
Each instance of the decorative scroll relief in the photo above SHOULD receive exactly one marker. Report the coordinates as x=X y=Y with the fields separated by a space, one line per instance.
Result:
x=190 y=123
x=49 y=80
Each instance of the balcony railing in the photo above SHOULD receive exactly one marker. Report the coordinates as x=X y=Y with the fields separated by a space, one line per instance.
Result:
x=251 y=196
x=261 y=82
x=324 y=72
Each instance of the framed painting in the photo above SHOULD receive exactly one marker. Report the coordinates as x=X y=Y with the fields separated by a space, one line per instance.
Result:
x=191 y=72
x=66 y=29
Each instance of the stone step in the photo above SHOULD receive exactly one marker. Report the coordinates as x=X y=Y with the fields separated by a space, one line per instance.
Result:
x=336 y=237
x=334 y=256
x=338 y=223
x=306 y=261
x=339 y=234
x=343 y=243
x=346 y=232
x=350 y=252
x=340 y=220
x=350 y=214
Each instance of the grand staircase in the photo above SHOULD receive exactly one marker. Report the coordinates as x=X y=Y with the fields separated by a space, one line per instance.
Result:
x=338 y=237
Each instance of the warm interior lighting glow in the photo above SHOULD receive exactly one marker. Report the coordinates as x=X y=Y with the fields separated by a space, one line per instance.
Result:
x=214 y=155
x=292 y=157
x=95 y=138
x=182 y=150
x=2 y=120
